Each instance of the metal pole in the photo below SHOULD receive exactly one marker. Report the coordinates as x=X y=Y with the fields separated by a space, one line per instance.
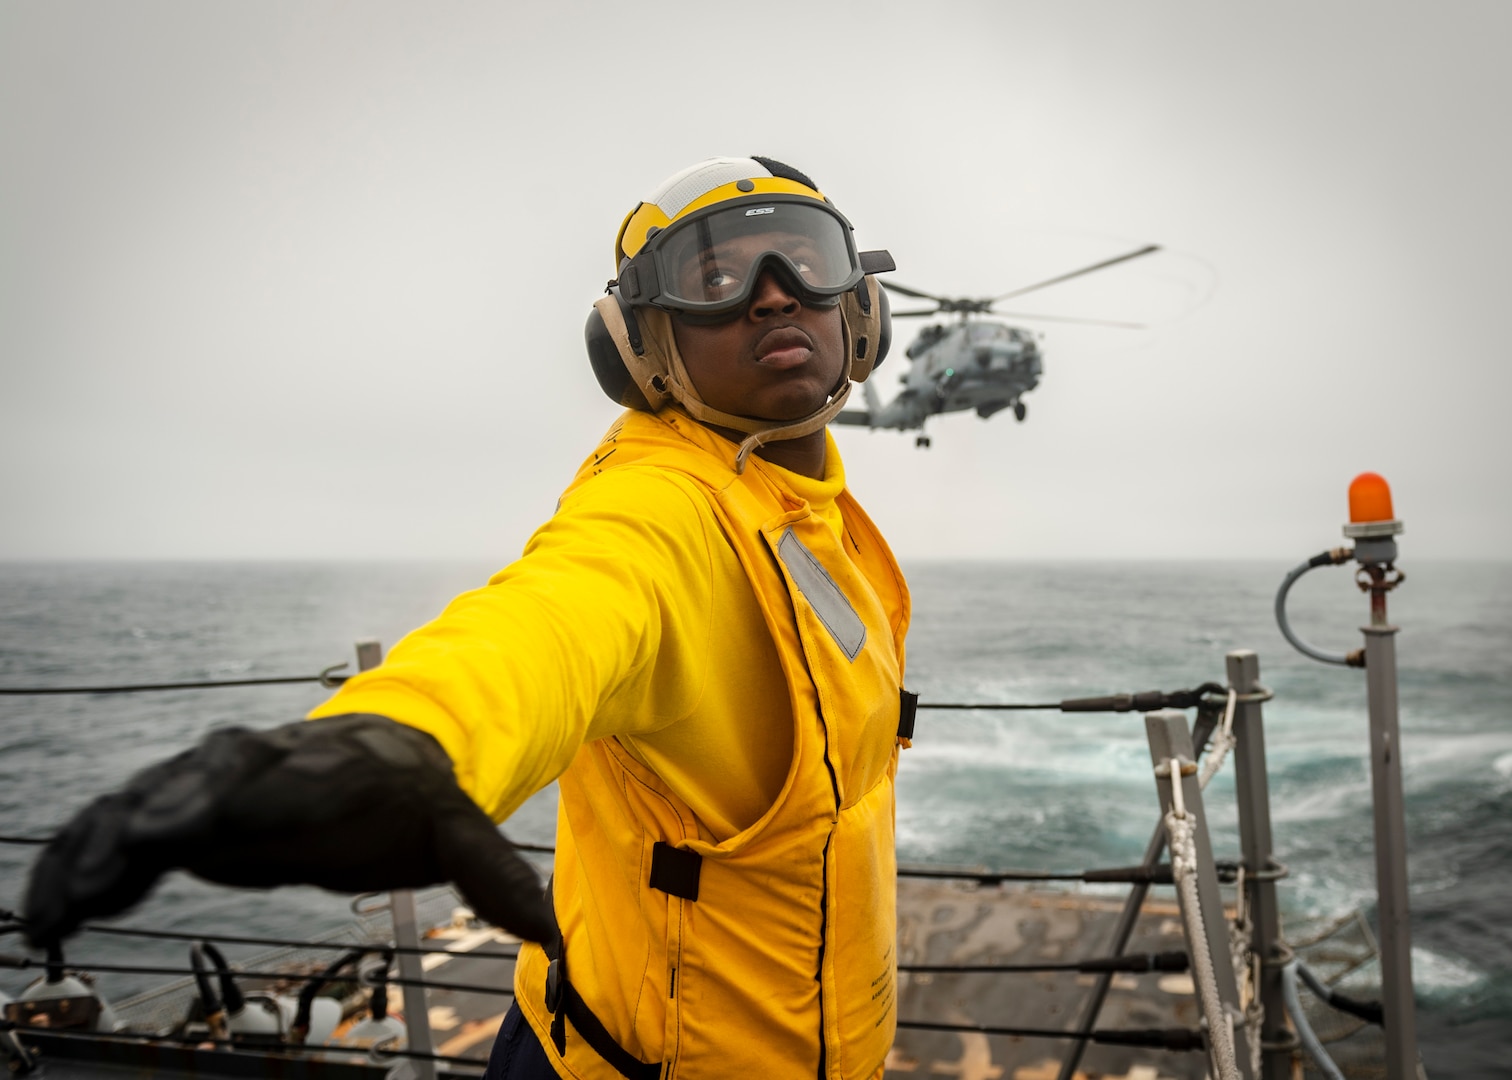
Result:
x=407 y=937
x=1390 y=838
x=1124 y=929
x=1253 y=790
x=1167 y=731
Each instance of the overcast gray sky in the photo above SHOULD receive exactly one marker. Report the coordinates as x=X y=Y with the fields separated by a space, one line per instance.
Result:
x=294 y=280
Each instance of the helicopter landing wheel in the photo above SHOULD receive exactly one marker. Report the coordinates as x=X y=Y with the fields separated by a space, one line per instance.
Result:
x=922 y=442
x=1020 y=410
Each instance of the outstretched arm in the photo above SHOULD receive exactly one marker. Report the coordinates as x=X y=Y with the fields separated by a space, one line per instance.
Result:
x=601 y=629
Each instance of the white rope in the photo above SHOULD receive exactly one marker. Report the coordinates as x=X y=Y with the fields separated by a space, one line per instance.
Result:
x=1240 y=931
x=1181 y=834
x=1239 y=957
x=1184 y=865
x=1254 y=1016
x=1223 y=742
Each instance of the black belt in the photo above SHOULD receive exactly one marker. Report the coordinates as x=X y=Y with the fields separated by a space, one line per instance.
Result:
x=564 y=1003
x=674 y=871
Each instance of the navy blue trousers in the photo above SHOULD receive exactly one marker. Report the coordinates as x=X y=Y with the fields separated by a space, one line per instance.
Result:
x=517 y=1053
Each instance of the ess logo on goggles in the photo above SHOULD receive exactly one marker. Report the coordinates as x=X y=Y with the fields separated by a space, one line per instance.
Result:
x=708 y=263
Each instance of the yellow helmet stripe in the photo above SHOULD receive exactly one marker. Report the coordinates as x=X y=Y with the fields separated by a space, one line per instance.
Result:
x=646 y=216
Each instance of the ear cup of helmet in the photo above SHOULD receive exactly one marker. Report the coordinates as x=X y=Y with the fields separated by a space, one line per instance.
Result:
x=868 y=325
x=608 y=366
x=628 y=352
x=612 y=335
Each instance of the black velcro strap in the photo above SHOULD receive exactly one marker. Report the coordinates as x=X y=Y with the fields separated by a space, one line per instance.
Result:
x=908 y=708
x=675 y=871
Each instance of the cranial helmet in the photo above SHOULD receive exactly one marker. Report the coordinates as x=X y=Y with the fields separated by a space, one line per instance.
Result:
x=671 y=258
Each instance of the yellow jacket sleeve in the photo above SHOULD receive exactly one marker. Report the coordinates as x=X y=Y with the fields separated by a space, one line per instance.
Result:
x=601 y=628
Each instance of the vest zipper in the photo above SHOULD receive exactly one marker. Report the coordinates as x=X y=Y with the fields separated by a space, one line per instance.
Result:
x=824 y=896
x=823 y=941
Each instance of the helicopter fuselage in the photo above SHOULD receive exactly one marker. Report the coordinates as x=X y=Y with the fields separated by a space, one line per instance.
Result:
x=978 y=364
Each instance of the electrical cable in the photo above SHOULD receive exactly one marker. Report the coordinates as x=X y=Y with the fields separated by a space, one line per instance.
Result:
x=1371 y=1012
x=1332 y=557
x=1305 y=1033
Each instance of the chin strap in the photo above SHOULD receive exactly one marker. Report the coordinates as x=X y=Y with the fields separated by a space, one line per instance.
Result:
x=660 y=373
x=811 y=423
x=758 y=432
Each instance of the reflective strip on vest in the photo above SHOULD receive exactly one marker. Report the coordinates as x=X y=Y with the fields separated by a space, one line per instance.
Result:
x=820 y=590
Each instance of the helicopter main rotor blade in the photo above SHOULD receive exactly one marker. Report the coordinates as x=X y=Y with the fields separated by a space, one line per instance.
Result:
x=916 y=314
x=1147 y=250
x=893 y=286
x=1068 y=319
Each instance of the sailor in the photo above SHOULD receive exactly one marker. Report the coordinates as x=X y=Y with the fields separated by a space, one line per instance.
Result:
x=704 y=646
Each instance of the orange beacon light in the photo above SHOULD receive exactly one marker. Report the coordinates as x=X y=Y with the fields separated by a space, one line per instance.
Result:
x=1369 y=499
x=1372 y=524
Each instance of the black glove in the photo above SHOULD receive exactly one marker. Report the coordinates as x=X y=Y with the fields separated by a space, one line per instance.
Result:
x=354 y=803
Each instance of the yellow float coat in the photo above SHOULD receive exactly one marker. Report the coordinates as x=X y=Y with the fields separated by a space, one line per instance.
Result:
x=714 y=660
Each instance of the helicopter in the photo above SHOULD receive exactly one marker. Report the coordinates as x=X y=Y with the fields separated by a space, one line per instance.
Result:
x=972 y=363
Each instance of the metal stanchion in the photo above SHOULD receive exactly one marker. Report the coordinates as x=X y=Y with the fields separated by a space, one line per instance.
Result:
x=1375 y=551
x=1253 y=790
x=1374 y=528
x=407 y=937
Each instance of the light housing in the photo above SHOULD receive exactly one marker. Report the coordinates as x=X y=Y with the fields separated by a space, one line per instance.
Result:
x=1372 y=522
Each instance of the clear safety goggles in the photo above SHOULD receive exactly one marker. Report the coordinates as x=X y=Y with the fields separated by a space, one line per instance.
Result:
x=708 y=263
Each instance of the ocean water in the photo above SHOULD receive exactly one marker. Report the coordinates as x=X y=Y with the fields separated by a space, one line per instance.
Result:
x=1040 y=790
